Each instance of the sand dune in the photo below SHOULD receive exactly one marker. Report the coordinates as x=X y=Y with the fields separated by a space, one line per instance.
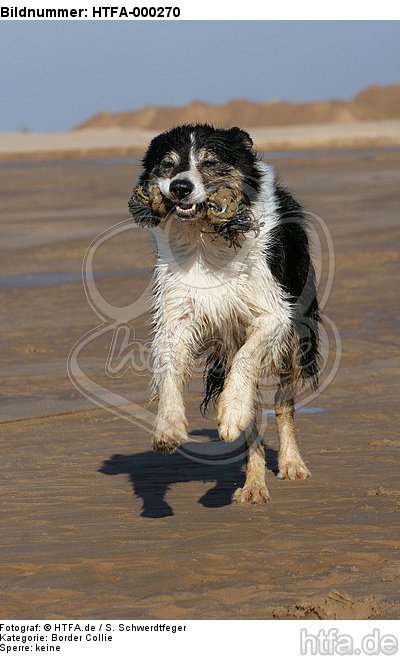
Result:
x=371 y=118
x=373 y=103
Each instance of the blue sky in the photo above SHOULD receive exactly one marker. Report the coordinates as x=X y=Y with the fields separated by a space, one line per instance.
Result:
x=56 y=74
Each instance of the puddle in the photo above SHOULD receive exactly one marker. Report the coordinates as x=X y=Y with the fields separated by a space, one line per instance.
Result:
x=374 y=322
x=68 y=162
x=136 y=161
x=326 y=152
x=301 y=411
x=50 y=278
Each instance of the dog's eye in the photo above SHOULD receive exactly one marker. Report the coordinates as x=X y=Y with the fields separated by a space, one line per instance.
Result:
x=209 y=163
x=167 y=163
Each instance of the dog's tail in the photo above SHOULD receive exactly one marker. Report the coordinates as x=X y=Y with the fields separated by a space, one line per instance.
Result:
x=214 y=378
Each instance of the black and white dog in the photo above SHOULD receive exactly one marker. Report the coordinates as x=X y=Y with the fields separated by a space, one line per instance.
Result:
x=252 y=309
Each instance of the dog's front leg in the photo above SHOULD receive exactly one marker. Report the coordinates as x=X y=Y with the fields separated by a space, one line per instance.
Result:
x=172 y=358
x=262 y=349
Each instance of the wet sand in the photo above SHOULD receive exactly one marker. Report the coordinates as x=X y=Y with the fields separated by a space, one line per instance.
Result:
x=93 y=524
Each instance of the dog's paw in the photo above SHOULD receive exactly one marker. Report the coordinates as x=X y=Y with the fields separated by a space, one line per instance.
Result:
x=235 y=413
x=294 y=468
x=251 y=494
x=229 y=427
x=169 y=434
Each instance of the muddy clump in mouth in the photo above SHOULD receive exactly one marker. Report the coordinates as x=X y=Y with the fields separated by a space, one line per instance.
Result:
x=230 y=216
x=148 y=205
x=227 y=211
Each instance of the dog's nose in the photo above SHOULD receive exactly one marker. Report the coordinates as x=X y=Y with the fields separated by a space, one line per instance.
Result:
x=181 y=187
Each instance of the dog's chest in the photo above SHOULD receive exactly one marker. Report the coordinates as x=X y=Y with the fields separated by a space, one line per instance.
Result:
x=219 y=288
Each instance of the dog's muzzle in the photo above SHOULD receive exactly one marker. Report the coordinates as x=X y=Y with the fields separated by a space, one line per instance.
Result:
x=181 y=189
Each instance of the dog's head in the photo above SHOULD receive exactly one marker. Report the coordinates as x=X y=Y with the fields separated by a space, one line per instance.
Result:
x=190 y=162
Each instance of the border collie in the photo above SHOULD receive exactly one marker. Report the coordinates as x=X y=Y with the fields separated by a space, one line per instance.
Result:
x=249 y=307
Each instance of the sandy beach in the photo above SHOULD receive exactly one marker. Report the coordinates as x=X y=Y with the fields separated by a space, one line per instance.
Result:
x=120 y=141
x=95 y=525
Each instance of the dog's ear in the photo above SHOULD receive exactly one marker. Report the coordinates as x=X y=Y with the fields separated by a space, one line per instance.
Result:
x=240 y=137
x=155 y=150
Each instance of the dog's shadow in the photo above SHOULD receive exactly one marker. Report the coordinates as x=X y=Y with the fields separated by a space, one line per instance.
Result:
x=152 y=474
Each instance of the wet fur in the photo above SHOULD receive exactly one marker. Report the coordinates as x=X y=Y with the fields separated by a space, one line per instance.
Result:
x=251 y=313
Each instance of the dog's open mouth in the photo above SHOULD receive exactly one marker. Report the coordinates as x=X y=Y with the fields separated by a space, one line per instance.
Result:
x=186 y=210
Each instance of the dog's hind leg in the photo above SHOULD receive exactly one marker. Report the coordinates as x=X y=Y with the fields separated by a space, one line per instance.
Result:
x=291 y=464
x=255 y=488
